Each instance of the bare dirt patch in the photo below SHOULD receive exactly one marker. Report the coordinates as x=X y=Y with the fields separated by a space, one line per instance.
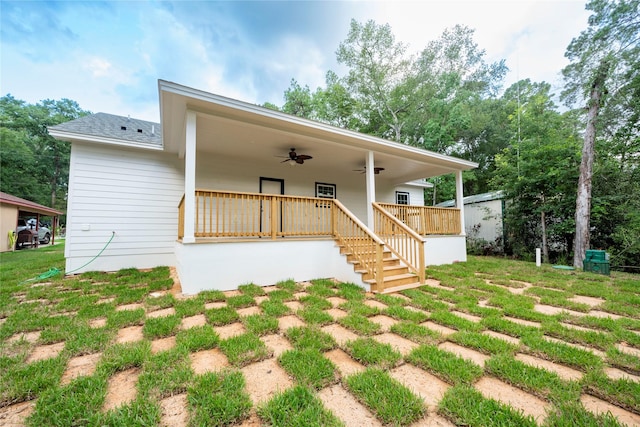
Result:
x=268 y=289
x=417 y=310
x=286 y=322
x=99 y=322
x=618 y=374
x=208 y=361
x=339 y=333
x=215 y=304
x=121 y=389
x=603 y=314
x=232 y=293
x=260 y=298
x=467 y=316
x=276 y=343
x=299 y=295
x=400 y=344
x=228 y=331
x=174 y=411
x=294 y=305
x=162 y=313
x=551 y=310
x=344 y=406
x=428 y=387
x=42 y=352
x=522 y=321
x=133 y=306
x=336 y=301
x=433 y=420
x=562 y=371
x=577 y=327
x=503 y=337
x=265 y=379
x=248 y=311
x=385 y=322
x=527 y=403
x=464 y=352
x=163 y=344
x=15 y=415
x=436 y=284
x=129 y=334
x=30 y=337
x=375 y=304
x=438 y=328
x=345 y=364
x=252 y=421
x=598 y=406
x=628 y=349
x=336 y=313
x=590 y=301
x=193 y=321
x=80 y=366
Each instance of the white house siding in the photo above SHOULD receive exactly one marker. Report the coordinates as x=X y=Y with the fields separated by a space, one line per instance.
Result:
x=214 y=173
x=483 y=220
x=132 y=192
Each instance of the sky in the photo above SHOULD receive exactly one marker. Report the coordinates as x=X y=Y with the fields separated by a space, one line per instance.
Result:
x=109 y=55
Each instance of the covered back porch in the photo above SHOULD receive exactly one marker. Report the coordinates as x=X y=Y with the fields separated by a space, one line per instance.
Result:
x=245 y=231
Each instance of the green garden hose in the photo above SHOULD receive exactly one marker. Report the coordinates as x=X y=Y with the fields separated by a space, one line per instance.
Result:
x=54 y=271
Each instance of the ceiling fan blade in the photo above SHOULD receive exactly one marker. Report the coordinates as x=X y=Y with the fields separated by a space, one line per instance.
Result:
x=304 y=157
x=299 y=160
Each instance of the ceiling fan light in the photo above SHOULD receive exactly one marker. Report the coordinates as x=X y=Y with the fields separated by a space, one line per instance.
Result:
x=292 y=162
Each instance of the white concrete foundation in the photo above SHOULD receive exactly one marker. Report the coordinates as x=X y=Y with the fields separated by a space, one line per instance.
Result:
x=440 y=250
x=225 y=265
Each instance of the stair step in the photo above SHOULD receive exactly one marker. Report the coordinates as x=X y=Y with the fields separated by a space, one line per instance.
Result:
x=397 y=280
x=402 y=288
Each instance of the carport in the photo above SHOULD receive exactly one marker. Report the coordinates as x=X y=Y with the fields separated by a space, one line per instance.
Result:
x=12 y=208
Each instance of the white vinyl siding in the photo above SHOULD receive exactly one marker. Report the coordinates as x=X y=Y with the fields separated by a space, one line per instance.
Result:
x=134 y=193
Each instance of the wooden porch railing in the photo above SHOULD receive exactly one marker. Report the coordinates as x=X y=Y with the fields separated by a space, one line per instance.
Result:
x=364 y=246
x=404 y=242
x=426 y=219
x=241 y=215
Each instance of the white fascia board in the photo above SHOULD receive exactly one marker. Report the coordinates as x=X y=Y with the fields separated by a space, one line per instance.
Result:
x=78 y=137
x=343 y=136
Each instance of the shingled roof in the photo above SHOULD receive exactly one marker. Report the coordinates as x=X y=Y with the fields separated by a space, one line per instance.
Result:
x=110 y=126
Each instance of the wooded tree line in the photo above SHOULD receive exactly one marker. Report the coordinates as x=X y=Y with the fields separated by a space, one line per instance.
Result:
x=448 y=98
x=570 y=175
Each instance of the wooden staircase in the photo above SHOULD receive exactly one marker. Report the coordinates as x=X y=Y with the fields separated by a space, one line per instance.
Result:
x=396 y=274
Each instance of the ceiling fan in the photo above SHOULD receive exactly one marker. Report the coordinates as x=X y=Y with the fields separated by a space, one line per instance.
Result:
x=294 y=158
x=376 y=170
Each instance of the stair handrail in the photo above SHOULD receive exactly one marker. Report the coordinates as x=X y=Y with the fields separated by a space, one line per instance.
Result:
x=411 y=252
x=363 y=254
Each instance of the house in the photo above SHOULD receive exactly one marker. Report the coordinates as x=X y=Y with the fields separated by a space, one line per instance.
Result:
x=483 y=217
x=12 y=208
x=231 y=193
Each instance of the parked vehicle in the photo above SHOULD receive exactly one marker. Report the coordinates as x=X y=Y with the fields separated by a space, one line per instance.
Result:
x=43 y=232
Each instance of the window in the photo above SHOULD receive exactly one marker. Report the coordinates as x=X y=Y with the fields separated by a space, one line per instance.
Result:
x=402 y=198
x=326 y=191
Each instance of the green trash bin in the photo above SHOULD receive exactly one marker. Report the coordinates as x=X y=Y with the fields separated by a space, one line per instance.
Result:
x=596 y=261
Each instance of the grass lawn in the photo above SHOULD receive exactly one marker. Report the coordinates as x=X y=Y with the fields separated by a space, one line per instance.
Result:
x=489 y=342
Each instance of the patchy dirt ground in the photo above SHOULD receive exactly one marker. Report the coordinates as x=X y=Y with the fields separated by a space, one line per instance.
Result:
x=265 y=378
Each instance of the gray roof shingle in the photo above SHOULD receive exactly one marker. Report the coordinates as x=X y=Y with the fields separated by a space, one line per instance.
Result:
x=116 y=127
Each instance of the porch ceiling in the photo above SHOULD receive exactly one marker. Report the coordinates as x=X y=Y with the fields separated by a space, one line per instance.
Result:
x=241 y=131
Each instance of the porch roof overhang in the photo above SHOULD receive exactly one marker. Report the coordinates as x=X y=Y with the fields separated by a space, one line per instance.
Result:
x=27 y=206
x=238 y=130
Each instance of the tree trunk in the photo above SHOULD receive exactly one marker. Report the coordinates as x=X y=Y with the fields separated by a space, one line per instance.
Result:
x=583 y=200
x=545 y=245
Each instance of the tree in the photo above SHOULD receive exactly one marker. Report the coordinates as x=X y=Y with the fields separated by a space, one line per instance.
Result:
x=603 y=63
x=35 y=166
x=538 y=172
x=380 y=78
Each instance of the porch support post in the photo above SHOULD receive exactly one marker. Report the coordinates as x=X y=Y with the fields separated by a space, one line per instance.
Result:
x=190 y=178
x=460 y=201
x=371 y=188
